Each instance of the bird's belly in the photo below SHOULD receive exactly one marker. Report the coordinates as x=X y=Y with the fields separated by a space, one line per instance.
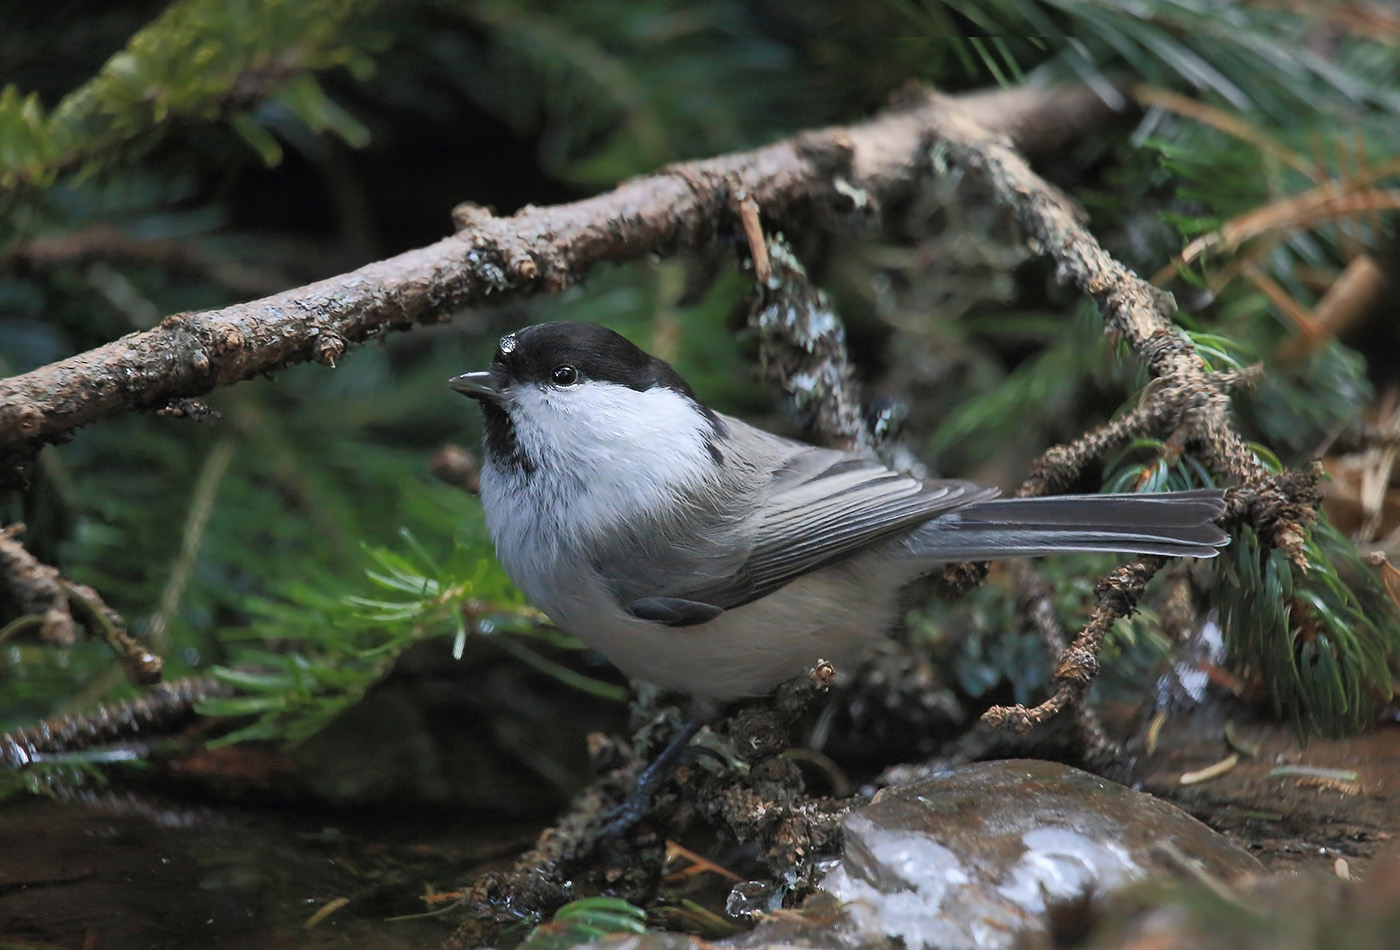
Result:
x=747 y=651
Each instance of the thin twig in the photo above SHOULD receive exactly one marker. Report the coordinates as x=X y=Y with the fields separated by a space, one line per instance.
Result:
x=36 y=589
x=1035 y=598
x=49 y=600
x=1118 y=594
x=141 y=666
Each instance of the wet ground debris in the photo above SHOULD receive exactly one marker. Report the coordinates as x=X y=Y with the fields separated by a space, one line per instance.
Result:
x=744 y=787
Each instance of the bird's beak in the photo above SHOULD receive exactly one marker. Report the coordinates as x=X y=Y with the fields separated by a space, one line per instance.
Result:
x=480 y=385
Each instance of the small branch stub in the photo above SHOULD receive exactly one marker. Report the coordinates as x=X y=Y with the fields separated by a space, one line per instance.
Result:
x=753 y=232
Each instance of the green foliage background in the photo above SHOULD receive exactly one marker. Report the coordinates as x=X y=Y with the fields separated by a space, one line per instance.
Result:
x=270 y=142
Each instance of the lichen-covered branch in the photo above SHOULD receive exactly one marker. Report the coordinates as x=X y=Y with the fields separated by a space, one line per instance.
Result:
x=810 y=176
x=802 y=353
x=1190 y=401
x=1189 y=404
x=1118 y=595
x=749 y=789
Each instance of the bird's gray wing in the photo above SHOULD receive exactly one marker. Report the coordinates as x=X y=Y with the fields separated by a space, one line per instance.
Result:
x=823 y=506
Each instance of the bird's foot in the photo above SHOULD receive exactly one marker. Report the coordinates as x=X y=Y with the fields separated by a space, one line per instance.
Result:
x=636 y=806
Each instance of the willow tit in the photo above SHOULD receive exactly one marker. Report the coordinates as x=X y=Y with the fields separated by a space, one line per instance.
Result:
x=705 y=555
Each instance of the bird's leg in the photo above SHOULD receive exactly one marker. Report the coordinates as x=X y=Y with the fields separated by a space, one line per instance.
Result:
x=639 y=802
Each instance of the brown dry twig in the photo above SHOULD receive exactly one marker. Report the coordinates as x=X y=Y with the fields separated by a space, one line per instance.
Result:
x=1118 y=594
x=36 y=590
x=141 y=666
x=747 y=211
x=1348 y=299
x=46 y=601
x=158 y=712
x=538 y=249
x=1035 y=600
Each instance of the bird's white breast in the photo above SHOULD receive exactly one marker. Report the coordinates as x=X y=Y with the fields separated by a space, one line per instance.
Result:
x=603 y=455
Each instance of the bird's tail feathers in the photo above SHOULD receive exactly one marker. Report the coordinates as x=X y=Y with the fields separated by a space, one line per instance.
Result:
x=1175 y=524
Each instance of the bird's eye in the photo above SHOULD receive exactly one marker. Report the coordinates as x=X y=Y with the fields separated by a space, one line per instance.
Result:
x=564 y=375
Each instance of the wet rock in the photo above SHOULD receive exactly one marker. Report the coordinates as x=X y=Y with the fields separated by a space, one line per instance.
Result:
x=972 y=857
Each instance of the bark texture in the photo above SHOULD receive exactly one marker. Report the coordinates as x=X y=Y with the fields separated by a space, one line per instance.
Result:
x=812 y=175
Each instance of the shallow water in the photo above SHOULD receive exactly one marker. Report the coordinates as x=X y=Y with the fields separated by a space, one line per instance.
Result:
x=113 y=870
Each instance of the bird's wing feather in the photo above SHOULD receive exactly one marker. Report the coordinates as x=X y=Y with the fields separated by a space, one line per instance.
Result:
x=673 y=611
x=822 y=507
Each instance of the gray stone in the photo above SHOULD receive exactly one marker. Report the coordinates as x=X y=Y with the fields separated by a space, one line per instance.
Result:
x=972 y=856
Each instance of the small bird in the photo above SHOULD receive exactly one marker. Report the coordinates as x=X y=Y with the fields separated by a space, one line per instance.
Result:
x=708 y=556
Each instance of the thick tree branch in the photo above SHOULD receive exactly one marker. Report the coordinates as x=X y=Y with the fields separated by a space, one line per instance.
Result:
x=811 y=174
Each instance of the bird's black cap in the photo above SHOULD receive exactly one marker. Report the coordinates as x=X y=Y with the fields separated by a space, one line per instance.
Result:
x=532 y=354
x=535 y=354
